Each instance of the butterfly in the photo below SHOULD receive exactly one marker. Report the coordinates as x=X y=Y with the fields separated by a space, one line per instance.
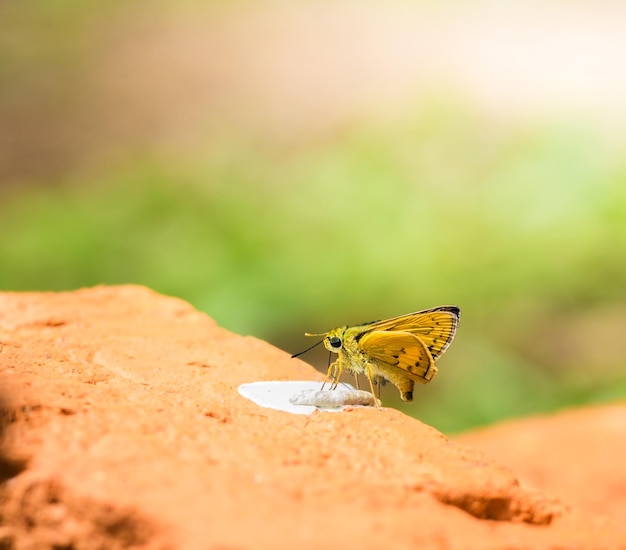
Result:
x=401 y=350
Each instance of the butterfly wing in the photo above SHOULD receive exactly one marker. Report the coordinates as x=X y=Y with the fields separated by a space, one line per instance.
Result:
x=401 y=350
x=435 y=327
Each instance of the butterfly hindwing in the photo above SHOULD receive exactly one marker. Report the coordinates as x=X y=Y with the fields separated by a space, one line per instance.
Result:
x=399 y=349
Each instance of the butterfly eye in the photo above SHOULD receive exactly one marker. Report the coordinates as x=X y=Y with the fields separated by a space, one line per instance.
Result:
x=335 y=342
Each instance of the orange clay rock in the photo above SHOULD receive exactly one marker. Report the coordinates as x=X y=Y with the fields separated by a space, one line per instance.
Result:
x=579 y=455
x=124 y=429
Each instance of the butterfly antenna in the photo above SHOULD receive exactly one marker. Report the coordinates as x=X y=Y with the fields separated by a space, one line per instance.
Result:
x=308 y=349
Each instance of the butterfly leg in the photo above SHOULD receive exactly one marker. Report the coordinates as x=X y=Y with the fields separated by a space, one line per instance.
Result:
x=336 y=376
x=329 y=374
x=333 y=375
x=370 y=378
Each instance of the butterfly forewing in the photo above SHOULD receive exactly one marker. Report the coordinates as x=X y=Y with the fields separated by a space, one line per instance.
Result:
x=398 y=349
x=435 y=327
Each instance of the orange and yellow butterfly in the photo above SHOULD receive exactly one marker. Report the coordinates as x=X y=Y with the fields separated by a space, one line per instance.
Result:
x=402 y=350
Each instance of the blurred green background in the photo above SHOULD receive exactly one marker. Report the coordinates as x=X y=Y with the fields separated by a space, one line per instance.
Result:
x=291 y=167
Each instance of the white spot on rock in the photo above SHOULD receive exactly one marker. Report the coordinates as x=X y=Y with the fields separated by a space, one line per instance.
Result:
x=303 y=397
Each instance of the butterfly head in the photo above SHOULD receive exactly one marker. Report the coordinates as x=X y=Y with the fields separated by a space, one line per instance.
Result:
x=333 y=340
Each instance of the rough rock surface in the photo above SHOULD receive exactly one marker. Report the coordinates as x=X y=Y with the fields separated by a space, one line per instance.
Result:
x=579 y=455
x=124 y=429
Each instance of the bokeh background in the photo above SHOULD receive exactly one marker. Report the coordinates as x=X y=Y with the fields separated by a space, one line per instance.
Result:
x=294 y=166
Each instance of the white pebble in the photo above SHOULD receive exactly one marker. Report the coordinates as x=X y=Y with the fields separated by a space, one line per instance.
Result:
x=339 y=397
